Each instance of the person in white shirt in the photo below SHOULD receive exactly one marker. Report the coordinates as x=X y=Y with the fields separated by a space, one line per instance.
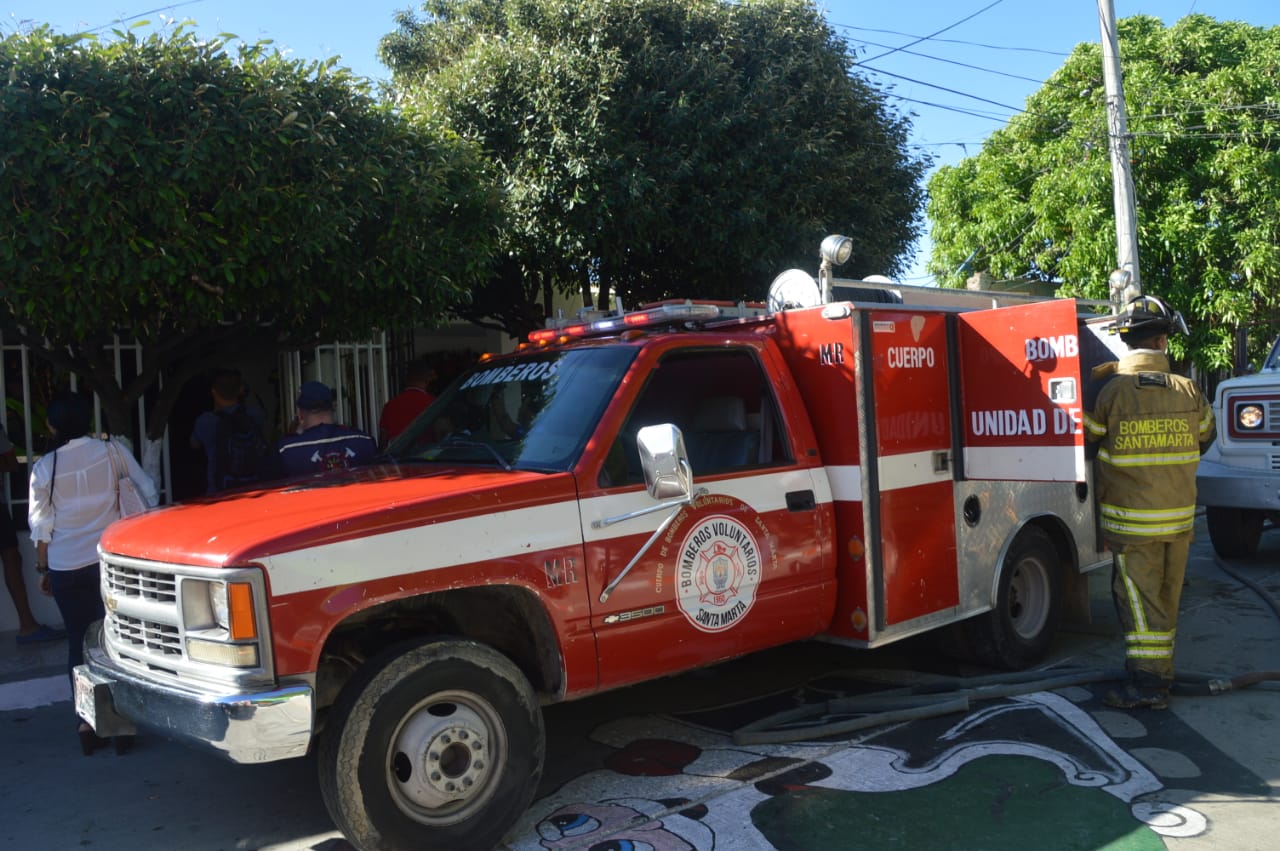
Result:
x=73 y=498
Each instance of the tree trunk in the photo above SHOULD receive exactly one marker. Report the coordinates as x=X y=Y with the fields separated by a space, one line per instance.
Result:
x=602 y=282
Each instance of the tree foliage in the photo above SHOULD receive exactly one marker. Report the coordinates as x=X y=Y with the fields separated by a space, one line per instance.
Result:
x=660 y=148
x=165 y=190
x=1204 y=117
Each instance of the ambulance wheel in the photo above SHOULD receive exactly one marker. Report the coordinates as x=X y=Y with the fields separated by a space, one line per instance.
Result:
x=1234 y=532
x=1019 y=630
x=434 y=745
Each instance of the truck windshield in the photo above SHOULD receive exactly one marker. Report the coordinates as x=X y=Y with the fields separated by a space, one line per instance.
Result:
x=1273 y=360
x=524 y=412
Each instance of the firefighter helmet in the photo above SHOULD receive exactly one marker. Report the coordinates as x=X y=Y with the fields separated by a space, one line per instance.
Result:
x=1148 y=316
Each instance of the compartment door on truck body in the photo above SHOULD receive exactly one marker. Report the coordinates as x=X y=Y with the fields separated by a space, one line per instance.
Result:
x=877 y=385
x=905 y=388
x=1022 y=455
x=1022 y=393
x=747 y=566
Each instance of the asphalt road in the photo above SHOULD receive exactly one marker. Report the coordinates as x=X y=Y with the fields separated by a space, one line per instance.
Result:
x=658 y=765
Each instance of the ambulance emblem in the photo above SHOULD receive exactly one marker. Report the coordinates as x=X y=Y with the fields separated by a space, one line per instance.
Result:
x=719 y=570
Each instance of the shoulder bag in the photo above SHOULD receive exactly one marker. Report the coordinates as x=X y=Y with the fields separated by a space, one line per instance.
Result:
x=128 y=499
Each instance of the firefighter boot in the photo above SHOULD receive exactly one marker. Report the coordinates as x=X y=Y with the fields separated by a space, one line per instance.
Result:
x=1135 y=697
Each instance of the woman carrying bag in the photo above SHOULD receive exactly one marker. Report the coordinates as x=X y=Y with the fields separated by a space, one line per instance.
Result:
x=75 y=494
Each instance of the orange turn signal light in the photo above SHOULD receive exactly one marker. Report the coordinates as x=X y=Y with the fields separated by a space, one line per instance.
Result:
x=240 y=605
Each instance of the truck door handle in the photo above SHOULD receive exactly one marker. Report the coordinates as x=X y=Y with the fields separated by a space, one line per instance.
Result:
x=800 y=501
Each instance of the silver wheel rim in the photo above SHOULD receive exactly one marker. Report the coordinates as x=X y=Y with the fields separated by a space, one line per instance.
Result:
x=446 y=758
x=1029 y=598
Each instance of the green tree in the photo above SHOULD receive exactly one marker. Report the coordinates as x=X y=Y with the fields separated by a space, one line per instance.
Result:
x=164 y=190
x=659 y=148
x=1203 y=113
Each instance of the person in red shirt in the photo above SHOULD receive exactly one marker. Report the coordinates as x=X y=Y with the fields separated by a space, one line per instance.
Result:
x=402 y=408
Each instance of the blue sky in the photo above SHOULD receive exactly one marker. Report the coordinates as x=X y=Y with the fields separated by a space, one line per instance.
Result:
x=976 y=65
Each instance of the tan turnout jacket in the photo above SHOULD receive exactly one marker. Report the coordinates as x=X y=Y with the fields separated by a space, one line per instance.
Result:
x=1151 y=427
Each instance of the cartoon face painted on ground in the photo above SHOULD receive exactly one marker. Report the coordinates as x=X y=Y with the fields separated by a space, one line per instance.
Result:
x=623 y=825
x=1000 y=773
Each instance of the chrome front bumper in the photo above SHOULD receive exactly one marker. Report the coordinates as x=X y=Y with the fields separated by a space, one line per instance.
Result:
x=256 y=727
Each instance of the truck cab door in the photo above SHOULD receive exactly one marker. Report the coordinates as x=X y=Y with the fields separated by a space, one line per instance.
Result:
x=740 y=567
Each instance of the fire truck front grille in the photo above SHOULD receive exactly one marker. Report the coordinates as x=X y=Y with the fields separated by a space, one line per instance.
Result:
x=142 y=611
x=145 y=636
x=1271 y=419
x=124 y=581
x=1275 y=463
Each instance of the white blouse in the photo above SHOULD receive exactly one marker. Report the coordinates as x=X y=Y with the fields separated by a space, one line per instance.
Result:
x=71 y=512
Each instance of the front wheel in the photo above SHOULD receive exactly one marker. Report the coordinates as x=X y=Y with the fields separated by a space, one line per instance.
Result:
x=1234 y=532
x=1019 y=630
x=436 y=745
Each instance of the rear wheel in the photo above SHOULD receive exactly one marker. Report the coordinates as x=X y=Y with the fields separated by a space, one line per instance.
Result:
x=1234 y=532
x=437 y=745
x=1021 y=627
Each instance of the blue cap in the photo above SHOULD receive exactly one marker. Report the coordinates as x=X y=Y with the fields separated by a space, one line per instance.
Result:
x=315 y=396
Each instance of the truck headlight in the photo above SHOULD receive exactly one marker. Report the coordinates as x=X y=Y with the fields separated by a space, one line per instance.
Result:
x=1250 y=417
x=220 y=622
x=210 y=604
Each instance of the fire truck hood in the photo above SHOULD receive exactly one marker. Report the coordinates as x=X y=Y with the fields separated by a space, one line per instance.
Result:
x=241 y=527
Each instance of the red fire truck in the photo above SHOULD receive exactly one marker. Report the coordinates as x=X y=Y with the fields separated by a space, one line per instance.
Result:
x=622 y=498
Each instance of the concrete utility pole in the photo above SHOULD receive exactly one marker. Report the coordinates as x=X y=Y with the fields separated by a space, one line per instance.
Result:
x=1123 y=286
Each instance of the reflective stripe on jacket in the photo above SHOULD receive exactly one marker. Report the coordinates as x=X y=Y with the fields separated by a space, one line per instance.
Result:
x=1151 y=427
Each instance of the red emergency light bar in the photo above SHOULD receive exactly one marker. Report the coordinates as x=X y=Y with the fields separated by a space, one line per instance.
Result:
x=663 y=314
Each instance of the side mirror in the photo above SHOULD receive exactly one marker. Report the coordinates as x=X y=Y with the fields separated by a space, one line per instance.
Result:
x=664 y=461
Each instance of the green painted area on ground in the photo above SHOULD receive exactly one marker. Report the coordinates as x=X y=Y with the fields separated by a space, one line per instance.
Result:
x=993 y=803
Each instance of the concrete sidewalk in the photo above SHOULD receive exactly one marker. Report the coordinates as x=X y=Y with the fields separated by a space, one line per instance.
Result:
x=27 y=661
x=32 y=674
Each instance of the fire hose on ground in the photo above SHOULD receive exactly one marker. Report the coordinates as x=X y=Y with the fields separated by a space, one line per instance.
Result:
x=946 y=695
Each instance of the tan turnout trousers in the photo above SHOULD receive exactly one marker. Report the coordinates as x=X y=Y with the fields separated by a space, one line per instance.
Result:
x=1146 y=585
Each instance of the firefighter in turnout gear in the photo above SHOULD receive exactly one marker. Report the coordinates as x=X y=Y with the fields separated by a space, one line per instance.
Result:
x=1151 y=427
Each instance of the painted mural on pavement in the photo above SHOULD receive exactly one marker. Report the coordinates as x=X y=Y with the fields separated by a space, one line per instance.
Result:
x=998 y=774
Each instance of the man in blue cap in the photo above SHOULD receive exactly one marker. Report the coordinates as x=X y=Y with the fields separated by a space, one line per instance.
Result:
x=320 y=444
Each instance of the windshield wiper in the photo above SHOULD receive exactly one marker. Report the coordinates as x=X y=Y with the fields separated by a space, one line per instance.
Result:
x=476 y=444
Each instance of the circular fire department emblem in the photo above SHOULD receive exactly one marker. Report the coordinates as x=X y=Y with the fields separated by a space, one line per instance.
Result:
x=718 y=572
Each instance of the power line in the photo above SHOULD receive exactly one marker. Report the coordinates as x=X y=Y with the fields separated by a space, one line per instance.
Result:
x=959 y=143
x=954 y=62
x=945 y=89
x=952 y=41
x=1155 y=134
x=937 y=33
x=124 y=19
x=1002 y=119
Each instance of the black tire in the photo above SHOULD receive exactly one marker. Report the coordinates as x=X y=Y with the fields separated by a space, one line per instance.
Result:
x=1234 y=532
x=1020 y=629
x=459 y=711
